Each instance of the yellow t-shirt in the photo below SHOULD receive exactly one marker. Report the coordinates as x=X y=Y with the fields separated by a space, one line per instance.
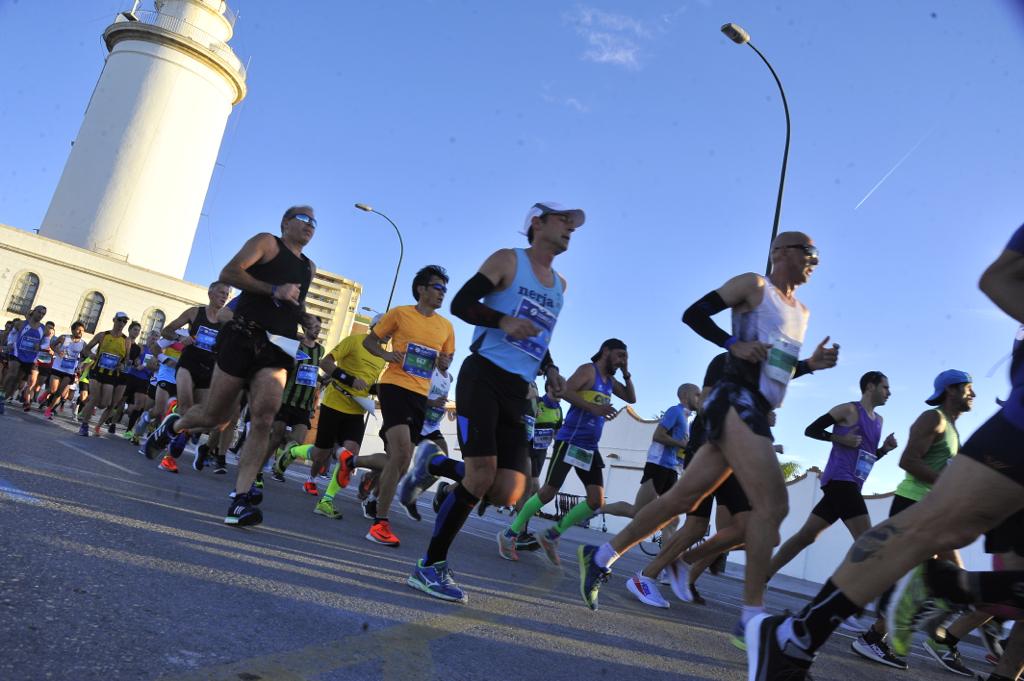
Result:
x=421 y=339
x=352 y=358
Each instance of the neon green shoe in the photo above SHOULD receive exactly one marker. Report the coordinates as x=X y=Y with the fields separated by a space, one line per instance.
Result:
x=282 y=459
x=325 y=507
x=901 y=615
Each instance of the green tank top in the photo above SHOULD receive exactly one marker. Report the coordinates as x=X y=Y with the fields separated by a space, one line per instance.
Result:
x=936 y=458
x=548 y=417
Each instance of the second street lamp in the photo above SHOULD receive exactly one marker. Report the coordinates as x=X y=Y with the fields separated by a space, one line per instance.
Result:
x=401 y=247
x=736 y=34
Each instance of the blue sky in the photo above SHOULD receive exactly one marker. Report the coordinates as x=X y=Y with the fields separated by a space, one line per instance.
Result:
x=454 y=117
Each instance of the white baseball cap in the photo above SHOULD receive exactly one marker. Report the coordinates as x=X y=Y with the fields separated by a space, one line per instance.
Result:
x=542 y=208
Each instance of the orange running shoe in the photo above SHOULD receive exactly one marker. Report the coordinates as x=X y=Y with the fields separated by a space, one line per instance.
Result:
x=168 y=464
x=310 y=488
x=344 y=474
x=380 y=532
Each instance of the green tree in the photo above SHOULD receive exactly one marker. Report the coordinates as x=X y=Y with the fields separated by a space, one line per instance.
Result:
x=790 y=469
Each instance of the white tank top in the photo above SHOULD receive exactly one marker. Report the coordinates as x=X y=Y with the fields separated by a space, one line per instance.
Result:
x=783 y=326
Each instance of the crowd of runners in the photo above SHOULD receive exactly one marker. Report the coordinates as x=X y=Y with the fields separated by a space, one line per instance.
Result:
x=249 y=373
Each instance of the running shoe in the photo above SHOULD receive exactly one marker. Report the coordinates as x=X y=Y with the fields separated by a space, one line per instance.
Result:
x=878 y=651
x=26 y=407
x=325 y=507
x=646 y=591
x=507 y=545
x=199 y=462
x=591 y=576
x=277 y=476
x=83 y=430
x=111 y=428
x=436 y=580
x=310 y=488
x=370 y=508
x=380 y=533
x=412 y=511
x=947 y=656
x=992 y=637
x=344 y=470
x=128 y=434
x=418 y=477
x=766 y=661
x=258 y=482
x=97 y=429
x=161 y=435
x=549 y=542
x=178 y=445
x=679 y=580
x=221 y=467
x=527 y=541
x=168 y=464
x=439 y=496
x=904 y=608
x=366 y=482
x=697 y=598
x=282 y=459
x=48 y=414
x=481 y=508
x=718 y=567
x=243 y=511
x=738 y=636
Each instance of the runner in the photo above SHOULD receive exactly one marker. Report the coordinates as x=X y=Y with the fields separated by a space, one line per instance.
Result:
x=144 y=364
x=351 y=370
x=522 y=298
x=976 y=492
x=112 y=414
x=769 y=324
x=164 y=385
x=418 y=335
x=23 y=349
x=39 y=377
x=664 y=455
x=67 y=355
x=855 y=436
x=110 y=351
x=195 y=366
x=588 y=392
x=254 y=350
x=300 y=393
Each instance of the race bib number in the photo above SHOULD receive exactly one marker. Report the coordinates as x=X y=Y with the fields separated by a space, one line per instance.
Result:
x=542 y=437
x=306 y=375
x=537 y=345
x=68 y=365
x=579 y=457
x=865 y=461
x=206 y=338
x=782 y=358
x=28 y=344
x=44 y=357
x=530 y=423
x=419 y=361
x=108 y=361
x=432 y=420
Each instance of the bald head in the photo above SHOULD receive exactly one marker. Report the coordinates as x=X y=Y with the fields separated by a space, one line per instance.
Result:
x=785 y=239
x=689 y=395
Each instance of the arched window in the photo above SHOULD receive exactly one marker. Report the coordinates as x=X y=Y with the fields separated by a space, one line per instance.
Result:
x=153 y=321
x=23 y=293
x=90 y=310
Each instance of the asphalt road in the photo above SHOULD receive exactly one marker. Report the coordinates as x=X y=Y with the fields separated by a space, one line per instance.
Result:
x=113 y=569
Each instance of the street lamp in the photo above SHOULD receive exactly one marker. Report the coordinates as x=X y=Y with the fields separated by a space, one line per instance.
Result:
x=401 y=247
x=736 y=34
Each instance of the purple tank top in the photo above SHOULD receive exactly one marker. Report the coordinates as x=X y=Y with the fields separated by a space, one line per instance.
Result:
x=853 y=464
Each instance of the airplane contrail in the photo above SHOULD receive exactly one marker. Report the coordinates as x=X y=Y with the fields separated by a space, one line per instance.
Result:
x=893 y=169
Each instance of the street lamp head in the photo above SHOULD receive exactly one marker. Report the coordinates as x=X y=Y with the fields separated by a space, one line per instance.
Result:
x=736 y=33
x=364 y=207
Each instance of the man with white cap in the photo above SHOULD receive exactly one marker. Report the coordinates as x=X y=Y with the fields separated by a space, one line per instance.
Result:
x=514 y=302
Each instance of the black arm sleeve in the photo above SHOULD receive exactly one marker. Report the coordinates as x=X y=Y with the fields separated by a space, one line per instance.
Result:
x=817 y=430
x=802 y=369
x=466 y=304
x=342 y=377
x=698 y=317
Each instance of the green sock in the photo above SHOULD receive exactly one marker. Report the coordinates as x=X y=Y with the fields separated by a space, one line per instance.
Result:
x=333 y=487
x=300 y=452
x=530 y=508
x=577 y=513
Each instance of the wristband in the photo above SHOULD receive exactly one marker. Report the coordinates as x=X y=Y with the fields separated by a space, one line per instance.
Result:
x=730 y=341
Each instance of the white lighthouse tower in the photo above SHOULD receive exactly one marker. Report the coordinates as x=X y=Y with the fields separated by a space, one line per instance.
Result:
x=135 y=181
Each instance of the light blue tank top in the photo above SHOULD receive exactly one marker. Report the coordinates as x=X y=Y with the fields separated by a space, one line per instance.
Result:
x=526 y=298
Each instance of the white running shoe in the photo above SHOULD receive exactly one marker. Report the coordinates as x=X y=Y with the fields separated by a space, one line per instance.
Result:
x=646 y=591
x=679 y=580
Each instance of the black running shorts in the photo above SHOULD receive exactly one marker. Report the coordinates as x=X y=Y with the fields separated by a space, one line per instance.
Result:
x=243 y=349
x=537 y=459
x=840 y=500
x=199 y=364
x=900 y=504
x=559 y=469
x=292 y=416
x=750 y=405
x=491 y=406
x=401 y=407
x=729 y=494
x=1007 y=536
x=663 y=478
x=336 y=428
x=999 y=445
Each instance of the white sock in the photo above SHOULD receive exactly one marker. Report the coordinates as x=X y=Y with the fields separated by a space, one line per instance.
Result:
x=605 y=555
x=750 y=612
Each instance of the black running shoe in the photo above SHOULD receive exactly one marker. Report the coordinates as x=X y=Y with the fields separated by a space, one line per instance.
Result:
x=412 y=511
x=202 y=451
x=370 y=509
x=161 y=436
x=527 y=541
x=697 y=598
x=221 y=467
x=718 y=567
x=243 y=512
x=766 y=661
x=439 y=496
x=112 y=428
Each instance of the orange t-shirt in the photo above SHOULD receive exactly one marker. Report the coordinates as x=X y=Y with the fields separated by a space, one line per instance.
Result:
x=422 y=339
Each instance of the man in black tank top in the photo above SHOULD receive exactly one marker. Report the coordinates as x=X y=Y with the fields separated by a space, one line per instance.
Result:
x=255 y=349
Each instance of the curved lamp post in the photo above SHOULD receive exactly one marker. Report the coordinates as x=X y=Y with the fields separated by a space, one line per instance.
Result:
x=736 y=34
x=401 y=247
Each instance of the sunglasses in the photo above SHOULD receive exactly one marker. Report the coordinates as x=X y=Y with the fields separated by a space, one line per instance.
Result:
x=308 y=219
x=809 y=251
x=439 y=287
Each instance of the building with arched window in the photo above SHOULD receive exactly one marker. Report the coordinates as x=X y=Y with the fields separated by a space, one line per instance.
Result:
x=90 y=309
x=153 y=320
x=23 y=292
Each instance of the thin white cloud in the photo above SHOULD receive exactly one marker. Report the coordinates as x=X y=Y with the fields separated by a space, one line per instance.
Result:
x=611 y=38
